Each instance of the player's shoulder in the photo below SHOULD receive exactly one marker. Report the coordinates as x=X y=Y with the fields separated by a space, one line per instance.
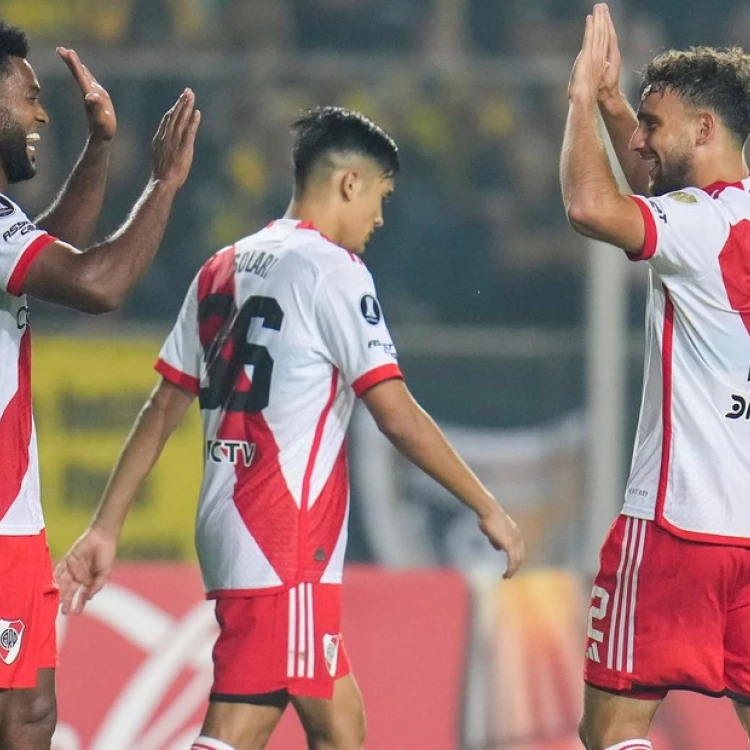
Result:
x=731 y=198
x=690 y=209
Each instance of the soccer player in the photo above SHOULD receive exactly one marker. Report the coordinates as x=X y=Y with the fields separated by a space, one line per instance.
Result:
x=670 y=602
x=278 y=335
x=41 y=261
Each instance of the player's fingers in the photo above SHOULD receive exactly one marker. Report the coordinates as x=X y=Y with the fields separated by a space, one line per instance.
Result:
x=614 y=44
x=89 y=75
x=159 y=135
x=71 y=59
x=66 y=585
x=79 y=600
x=515 y=558
x=599 y=31
x=166 y=126
x=587 y=32
x=184 y=112
x=192 y=128
x=169 y=114
x=99 y=581
x=79 y=570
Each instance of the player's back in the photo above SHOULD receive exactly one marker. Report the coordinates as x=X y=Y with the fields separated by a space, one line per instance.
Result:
x=278 y=335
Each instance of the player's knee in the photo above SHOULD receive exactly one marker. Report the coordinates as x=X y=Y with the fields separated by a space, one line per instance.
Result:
x=602 y=734
x=611 y=740
x=347 y=733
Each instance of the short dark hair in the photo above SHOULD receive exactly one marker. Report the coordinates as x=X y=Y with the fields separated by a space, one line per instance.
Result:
x=325 y=130
x=13 y=43
x=706 y=77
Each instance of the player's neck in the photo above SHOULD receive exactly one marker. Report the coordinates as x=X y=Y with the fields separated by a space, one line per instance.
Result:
x=316 y=214
x=731 y=168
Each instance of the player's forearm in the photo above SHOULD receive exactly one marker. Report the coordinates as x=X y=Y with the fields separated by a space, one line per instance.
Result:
x=113 y=267
x=419 y=439
x=139 y=454
x=621 y=122
x=588 y=185
x=73 y=215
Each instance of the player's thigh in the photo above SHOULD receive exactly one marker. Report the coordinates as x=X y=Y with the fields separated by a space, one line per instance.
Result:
x=30 y=715
x=609 y=718
x=242 y=726
x=335 y=724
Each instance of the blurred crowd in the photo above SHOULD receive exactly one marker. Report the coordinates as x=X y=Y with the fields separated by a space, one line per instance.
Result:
x=474 y=91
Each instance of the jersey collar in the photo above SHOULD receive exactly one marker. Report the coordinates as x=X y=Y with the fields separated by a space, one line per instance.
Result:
x=715 y=189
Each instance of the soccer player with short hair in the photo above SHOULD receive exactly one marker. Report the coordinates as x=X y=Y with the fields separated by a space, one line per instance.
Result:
x=278 y=335
x=41 y=260
x=670 y=602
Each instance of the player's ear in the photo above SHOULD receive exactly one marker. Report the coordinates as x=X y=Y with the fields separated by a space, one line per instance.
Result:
x=350 y=184
x=706 y=128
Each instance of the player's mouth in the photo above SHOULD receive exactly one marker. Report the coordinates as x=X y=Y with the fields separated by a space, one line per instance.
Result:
x=31 y=139
x=655 y=167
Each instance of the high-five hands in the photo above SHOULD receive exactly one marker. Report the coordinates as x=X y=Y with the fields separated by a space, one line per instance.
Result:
x=598 y=62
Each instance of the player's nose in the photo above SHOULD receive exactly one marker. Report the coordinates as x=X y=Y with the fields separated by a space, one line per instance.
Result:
x=42 y=116
x=637 y=140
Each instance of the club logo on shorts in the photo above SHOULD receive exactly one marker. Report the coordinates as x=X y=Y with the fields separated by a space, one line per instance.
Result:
x=11 y=636
x=331 y=652
x=370 y=308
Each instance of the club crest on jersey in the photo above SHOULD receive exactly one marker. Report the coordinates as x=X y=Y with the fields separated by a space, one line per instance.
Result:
x=682 y=197
x=331 y=652
x=370 y=308
x=230 y=452
x=6 y=207
x=11 y=637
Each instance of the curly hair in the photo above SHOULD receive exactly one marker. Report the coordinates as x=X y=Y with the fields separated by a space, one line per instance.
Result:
x=12 y=44
x=706 y=77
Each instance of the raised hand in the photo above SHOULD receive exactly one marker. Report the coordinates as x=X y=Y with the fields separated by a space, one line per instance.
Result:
x=503 y=534
x=172 y=148
x=100 y=111
x=85 y=569
x=592 y=61
x=609 y=86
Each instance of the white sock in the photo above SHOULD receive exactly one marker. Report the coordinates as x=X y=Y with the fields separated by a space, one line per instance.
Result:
x=209 y=743
x=632 y=745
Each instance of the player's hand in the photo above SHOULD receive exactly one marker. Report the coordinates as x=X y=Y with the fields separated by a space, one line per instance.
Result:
x=172 y=149
x=592 y=61
x=100 y=112
x=85 y=569
x=503 y=534
x=609 y=86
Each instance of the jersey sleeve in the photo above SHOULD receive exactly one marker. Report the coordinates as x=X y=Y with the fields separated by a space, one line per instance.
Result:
x=180 y=358
x=352 y=328
x=20 y=243
x=681 y=228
